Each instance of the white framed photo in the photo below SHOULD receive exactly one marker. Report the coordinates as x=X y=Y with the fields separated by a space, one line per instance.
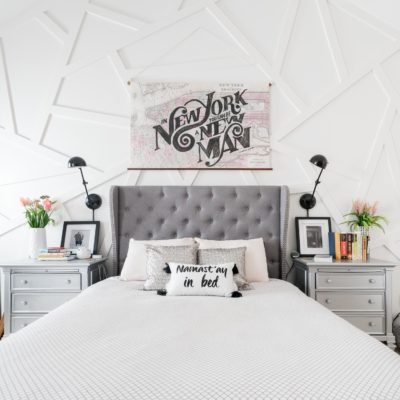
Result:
x=312 y=234
x=77 y=234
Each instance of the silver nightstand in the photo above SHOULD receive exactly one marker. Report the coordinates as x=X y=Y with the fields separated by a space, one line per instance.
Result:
x=358 y=291
x=33 y=288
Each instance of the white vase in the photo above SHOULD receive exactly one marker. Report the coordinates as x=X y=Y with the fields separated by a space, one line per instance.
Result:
x=37 y=241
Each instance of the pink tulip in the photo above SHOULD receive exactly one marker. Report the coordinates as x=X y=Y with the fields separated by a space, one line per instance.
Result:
x=47 y=204
x=25 y=201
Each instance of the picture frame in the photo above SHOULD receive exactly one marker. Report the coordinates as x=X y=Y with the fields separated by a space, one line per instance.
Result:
x=312 y=235
x=80 y=233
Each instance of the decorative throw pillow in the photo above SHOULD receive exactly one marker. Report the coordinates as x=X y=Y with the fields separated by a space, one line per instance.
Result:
x=201 y=280
x=256 y=268
x=157 y=256
x=222 y=256
x=134 y=268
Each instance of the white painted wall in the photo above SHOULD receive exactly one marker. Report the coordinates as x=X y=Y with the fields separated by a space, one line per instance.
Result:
x=63 y=70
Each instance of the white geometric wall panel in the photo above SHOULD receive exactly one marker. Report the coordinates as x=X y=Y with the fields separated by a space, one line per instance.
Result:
x=64 y=64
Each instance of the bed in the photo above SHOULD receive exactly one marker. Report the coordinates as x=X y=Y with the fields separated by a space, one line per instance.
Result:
x=116 y=341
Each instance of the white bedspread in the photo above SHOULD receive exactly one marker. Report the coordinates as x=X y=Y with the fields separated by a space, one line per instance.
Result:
x=113 y=342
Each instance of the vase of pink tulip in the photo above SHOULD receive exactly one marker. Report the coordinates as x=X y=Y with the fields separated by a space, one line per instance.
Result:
x=38 y=215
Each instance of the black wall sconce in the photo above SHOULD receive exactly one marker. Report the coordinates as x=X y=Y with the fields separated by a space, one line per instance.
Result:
x=93 y=201
x=307 y=200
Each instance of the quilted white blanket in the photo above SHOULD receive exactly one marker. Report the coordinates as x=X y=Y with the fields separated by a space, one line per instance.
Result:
x=115 y=342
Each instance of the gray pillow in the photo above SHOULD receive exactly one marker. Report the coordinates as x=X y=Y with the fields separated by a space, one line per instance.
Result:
x=223 y=256
x=157 y=256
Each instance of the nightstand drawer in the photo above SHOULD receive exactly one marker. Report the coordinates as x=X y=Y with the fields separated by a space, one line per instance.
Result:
x=21 y=321
x=369 y=324
x=347 y=280
x=345 y=301
x=46 y=281
x=38 y=302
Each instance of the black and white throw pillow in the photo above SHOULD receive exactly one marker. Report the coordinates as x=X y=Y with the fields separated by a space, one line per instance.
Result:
x=157 y=256
x=201 y=280
x=222 y=256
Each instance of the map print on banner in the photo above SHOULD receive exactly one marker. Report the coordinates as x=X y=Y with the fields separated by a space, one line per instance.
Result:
x=200 y=126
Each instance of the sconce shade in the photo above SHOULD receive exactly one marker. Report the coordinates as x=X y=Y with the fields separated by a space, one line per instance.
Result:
x=75 y=162
x=319 y=160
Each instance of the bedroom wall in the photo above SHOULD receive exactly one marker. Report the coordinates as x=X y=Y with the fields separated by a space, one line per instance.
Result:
x=63 y=70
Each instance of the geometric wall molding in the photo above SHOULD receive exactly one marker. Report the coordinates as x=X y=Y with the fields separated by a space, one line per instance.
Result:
x=334 y=65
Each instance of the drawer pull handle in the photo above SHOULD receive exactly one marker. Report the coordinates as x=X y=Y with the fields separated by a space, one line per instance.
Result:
x=371 y=323
x=25 y=303
x=328 y=301
x=69 y=281
x=370 y=301
x=329 y=280
x=25 y=282
x=25 y=324
x=372 y=280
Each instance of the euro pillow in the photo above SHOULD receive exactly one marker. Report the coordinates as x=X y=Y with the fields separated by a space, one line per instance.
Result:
x=256 y=268
x=158 y=256
x=134 y=268
x=223 y=256
x=201 y=280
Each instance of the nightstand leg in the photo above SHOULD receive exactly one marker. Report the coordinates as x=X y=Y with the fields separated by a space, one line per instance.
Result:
x=391 y=342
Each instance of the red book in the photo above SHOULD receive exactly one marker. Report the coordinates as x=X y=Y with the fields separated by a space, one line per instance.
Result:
x=349 y=246
x=343 y=246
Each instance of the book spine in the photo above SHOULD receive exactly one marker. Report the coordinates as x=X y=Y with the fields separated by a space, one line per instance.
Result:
x=364 y=248
x=337 y=246
x=359 y=246
x=343 y=246
x=354 y=253
x=368 y=248
x=349 y=246
x=331 y=243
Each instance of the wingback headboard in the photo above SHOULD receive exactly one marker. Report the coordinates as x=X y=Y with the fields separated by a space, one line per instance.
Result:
x=209 y=212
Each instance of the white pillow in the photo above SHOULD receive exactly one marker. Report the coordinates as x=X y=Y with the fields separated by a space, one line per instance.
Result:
x=256 y=268
x=201 y=280
x=134 y=268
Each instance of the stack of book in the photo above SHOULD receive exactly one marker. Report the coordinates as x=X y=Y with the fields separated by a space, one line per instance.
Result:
x=55 y=254
x=348 y=246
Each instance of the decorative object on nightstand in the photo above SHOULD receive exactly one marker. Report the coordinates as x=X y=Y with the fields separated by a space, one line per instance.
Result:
x=38 y=215
x=93 y=201
x=362 y=217
x=76 y=234
x=31 y=289
x=307 y=200
x=358 y=291
x=312 y=234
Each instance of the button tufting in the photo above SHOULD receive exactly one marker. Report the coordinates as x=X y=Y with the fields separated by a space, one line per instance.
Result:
x=234 y=221
x=198 y=208
x=149 y=235
x=259 y=195
x=173 y=208
x=185 y=221
x=139 y=194
x=258 y=221
x=222 y=208
x=139 y=221
x=127 y=208
x=161 y=221
x=150 y=208
x=186 y=195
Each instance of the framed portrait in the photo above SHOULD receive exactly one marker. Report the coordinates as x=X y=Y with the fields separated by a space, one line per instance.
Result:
x=80 y=234
x=312 y=235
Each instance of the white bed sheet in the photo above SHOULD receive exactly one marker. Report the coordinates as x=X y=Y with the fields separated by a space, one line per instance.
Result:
x=114 y=342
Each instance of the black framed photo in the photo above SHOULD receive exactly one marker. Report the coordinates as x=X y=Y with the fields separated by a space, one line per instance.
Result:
x=80 y=234
x=312 y=234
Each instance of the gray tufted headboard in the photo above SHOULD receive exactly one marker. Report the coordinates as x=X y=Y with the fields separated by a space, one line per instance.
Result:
x=209 y=212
